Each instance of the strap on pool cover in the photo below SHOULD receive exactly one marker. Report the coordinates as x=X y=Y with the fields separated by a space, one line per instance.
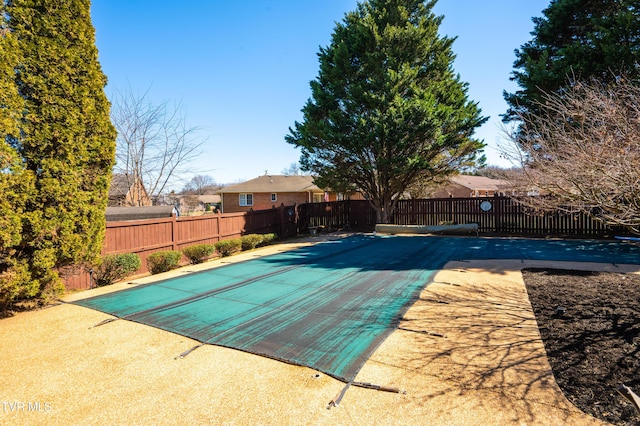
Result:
x=336 y=400
x=188 y=351
x=103 y=322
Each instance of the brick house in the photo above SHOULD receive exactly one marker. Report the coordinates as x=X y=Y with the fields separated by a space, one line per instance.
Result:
x=269 y=191
x=126 y=190
x=467 y=186
x=197 y=204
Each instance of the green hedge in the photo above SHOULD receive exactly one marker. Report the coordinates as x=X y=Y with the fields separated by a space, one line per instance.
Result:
x=228 y=247
x=163 y=261
x=198 y=253
x=15 y=284
x=250 y=241
x=115 y=267
x=246 y=242
x=268 y=239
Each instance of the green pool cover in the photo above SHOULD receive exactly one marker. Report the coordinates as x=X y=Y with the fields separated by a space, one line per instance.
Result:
x=326 y=306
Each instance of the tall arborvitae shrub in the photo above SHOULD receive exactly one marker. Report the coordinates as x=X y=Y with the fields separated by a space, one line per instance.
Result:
x=16 y=183
x=66 y=140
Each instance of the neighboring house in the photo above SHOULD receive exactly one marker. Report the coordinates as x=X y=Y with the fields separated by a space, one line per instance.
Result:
x=118 y=214
x=270 y=191
x=127 y=191
x=467 y=186
x=197 y=203
x=338 y=196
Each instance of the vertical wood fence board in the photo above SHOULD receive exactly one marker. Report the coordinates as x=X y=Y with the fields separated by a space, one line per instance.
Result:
x=506 y=217
x=144 y=237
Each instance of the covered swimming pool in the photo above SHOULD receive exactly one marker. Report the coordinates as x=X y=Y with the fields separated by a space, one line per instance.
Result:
x=330 y=305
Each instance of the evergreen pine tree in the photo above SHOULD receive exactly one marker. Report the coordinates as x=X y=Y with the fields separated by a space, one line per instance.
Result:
x=387 y=109
x=575 y=40
x=67 y=142
x=16 y=183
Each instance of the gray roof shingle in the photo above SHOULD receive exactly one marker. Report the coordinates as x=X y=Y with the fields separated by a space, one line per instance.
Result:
x=274 y=184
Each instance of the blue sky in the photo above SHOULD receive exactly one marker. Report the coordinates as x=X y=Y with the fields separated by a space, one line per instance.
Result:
x=241 y=69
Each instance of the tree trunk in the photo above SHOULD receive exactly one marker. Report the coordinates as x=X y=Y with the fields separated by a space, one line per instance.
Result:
x=383 y=210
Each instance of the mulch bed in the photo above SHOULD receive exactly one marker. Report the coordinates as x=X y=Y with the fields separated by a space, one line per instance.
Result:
x=590 y=325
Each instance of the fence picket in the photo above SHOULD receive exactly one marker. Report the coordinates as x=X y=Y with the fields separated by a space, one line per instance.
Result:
x=506 y=216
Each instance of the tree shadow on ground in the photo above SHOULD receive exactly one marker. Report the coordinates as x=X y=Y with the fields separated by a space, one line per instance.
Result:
x=589 y=325
x=480 y=341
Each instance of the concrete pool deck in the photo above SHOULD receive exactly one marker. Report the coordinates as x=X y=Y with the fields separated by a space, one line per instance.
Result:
x=468 y=352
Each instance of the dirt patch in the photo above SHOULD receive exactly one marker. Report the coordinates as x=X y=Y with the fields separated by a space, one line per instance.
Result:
x=589 y=322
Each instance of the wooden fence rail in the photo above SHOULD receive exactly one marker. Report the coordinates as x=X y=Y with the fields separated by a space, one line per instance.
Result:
x=144 y=237
x=494 y=216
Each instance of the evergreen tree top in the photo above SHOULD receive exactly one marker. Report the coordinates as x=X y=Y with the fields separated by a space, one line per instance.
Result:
x=387 y=108
x=575 y=40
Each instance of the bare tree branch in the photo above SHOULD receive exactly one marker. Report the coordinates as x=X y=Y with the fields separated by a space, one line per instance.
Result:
x=583 y=153
x=154 y=143
x=199 y=185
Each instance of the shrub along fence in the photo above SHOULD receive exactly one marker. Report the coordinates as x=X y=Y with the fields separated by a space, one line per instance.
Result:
x=148 y=236
x=494 y=216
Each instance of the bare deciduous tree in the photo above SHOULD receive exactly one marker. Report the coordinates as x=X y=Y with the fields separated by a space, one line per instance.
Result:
x=154 y=143
x=293 y=170
x=199 y=185
x=582 y=151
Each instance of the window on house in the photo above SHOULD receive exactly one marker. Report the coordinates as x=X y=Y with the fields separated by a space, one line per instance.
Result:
x=318 y=198
x=274 y=197
x=246 y=199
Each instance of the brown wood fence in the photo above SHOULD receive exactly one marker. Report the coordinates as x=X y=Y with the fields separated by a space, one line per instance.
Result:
x=357 y=214
x=145 y=237
x=500 y=216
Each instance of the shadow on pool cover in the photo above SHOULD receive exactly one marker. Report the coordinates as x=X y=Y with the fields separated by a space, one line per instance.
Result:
x=327 y=306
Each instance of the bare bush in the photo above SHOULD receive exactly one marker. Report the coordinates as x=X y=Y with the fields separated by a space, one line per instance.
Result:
x=582 y=152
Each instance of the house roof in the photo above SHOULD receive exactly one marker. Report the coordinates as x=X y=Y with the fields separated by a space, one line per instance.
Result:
x=479 y=182
x=206 y=198
x=209 y=198
x=116 y=214
x=120 y=185
x=274 y=183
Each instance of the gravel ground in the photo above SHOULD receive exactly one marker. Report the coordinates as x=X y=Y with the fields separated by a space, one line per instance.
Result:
x=468 y=352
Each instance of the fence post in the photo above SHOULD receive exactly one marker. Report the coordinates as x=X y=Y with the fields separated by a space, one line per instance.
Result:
x=451 y=209
x=281 y=219
x=174 y=225
x=498 y=212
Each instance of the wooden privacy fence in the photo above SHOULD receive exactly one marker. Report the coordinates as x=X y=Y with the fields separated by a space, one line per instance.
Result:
x=497 y=215
x=336 y=214
x=144 y=237
x=494 y=215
